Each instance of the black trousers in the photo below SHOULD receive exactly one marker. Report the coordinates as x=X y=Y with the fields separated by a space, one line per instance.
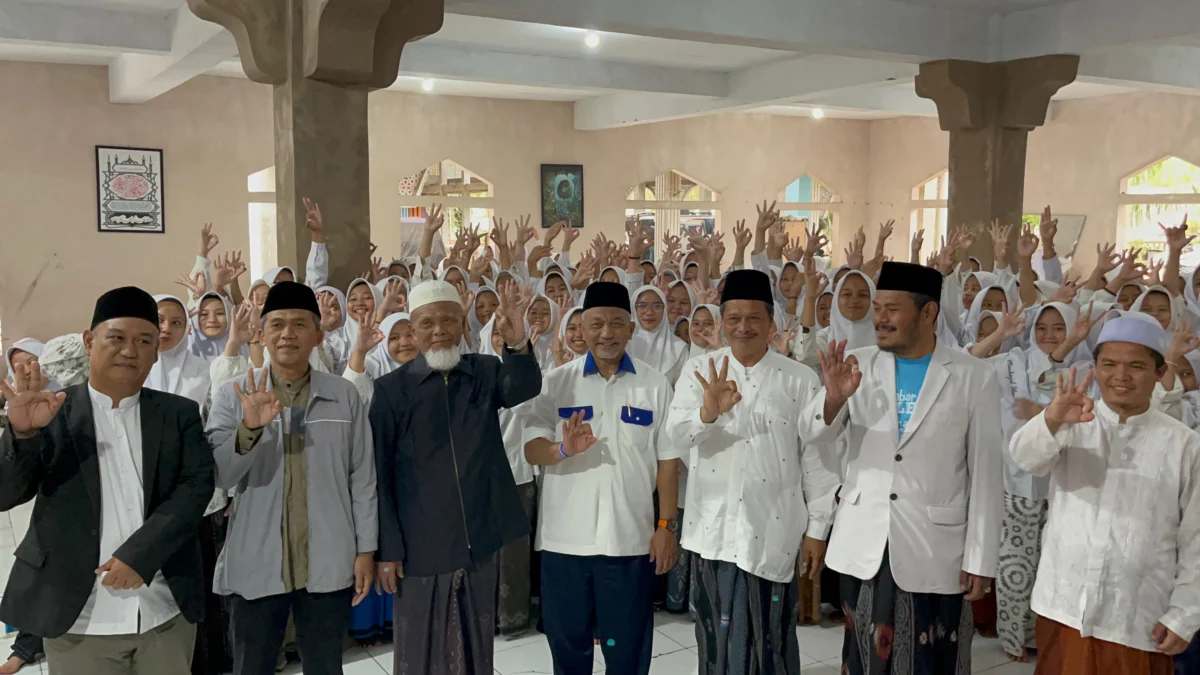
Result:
x=322 y=621
x=587 y=597
x=28 y=647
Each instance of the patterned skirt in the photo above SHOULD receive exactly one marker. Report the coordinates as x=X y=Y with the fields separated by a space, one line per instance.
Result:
x=745 y=625
x=890 y=631
x=679 y=578
x=514 y=609
x=1020 y=550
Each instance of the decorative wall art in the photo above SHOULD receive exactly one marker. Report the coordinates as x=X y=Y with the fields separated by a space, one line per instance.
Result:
x=129 y=189
x=562 y=194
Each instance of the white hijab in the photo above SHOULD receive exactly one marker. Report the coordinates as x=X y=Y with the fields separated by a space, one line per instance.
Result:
x=971 y=324
x=380 y=362
x=543 y=348
x=209 y=348
x=693 y=350
x=659 y=348
x=351 y=325
x=473 y=321
x=859 y=333
x=269 y=275
x=178 y=370
x=1069 y=315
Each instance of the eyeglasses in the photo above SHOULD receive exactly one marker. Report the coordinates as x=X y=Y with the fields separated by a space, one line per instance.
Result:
x=656 y=306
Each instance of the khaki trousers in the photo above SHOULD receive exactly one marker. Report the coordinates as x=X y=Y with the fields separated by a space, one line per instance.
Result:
x=165 y=650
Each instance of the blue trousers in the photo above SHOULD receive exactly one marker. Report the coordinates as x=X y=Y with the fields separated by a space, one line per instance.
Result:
x=585 y=597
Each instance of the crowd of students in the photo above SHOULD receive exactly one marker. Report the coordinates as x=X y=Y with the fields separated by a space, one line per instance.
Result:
x=599 y=418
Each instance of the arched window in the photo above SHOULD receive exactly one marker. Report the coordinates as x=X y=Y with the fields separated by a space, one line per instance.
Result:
x=804 y=201
x=465 y=195
x=929 y=210
x=673 y=204
x=1160 y=193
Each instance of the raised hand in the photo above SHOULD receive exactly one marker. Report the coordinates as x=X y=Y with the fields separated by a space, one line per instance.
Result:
x=1012 y=322
x=720 y=393
x=570 y=234
x=208 y=240
x=1071 y=404
x=854 y=254
x=782 y=341
x=840 y=372
x=312 y=216
x=29 y=408
x=524 y=231
x=1107 y=259
x=562 y=354
x=259 y=404
x=241 y=328
x=1028 y=243
x=510 y=318
x=195 y=284
x=369 y=335
x=554 y=231
x=1154 y=272
x=331 y=312
x=885 y=230
x=1177 y=237
x=1131 y=269
x=434 y=218
x=1083 y=324
x=577 y=435
x=814 y=241
x=1047 y=226
x=814 y=285
x=767 y=216
x=1183 y=340
x=918 y=240
x=1066 y=292
x=741 y=235
x=716 y=248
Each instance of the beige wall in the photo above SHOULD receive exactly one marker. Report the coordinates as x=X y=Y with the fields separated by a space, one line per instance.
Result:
x=1075 y=162
x=216 y=131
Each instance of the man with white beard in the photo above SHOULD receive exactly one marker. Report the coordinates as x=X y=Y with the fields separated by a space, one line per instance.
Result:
x=447 y=498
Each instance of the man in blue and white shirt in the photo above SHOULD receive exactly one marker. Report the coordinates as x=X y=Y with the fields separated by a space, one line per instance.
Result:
x=596 y=431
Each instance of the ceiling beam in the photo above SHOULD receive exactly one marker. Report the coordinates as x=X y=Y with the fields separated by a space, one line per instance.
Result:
x=1170 y=68
x=882 y=99
x=197 y=46
x=43 y=23
x=1080 y=27
x=790 y=81
x=873 y=28
x=461 y=62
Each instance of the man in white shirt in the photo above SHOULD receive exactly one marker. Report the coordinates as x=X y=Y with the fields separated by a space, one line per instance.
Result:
x=109 y=572
x=1117 y=588
x=600 y=549
x=756 y=497
x=918 y=525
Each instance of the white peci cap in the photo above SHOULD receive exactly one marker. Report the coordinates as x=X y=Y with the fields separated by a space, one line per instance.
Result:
x=432 y=291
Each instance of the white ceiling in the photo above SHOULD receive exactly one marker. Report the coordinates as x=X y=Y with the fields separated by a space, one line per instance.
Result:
x=518 y=37
x=855 y=59
x=987 y=6
x=155 y=6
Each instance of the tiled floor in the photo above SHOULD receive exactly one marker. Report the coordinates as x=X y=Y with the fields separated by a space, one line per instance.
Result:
x=674 y=654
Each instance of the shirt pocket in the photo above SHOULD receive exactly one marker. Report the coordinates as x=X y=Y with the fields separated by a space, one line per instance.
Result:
x=566 y=413
x=947 y=515
x=637 y=416
x=636 y=427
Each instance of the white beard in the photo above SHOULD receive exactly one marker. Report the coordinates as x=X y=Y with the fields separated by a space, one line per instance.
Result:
x=444 y=360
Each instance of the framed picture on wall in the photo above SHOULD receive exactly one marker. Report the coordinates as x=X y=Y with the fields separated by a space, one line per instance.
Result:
x=129 y=189
x=562 y=194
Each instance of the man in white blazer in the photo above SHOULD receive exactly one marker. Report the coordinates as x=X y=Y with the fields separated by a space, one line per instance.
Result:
x=917 y=530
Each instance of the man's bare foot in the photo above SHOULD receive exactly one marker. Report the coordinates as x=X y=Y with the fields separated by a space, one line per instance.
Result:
x=12 y=665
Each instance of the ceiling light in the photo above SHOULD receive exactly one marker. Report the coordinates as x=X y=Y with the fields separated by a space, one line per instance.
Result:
x=592 y=40
x=426 y=85
x=817 y=113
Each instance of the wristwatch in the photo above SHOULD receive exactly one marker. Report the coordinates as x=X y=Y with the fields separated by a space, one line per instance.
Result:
x=672 y=525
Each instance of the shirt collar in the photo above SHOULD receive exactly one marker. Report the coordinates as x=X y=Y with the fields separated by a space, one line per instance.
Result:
x=1111 y=415
x=105 y=402
x=625 y=366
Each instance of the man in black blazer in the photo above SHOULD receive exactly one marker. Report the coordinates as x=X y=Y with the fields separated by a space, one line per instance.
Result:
x=109 y=572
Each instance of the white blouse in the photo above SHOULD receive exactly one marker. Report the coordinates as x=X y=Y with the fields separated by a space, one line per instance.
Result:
x=1121 y=549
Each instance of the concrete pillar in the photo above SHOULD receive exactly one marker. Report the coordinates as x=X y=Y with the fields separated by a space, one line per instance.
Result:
x=322 y=57
x=989 y=110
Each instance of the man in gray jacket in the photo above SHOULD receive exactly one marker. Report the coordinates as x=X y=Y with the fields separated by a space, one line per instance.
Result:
x=295 y=447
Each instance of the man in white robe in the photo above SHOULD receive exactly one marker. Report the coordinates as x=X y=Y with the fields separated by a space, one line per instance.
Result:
x=1117 y=590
